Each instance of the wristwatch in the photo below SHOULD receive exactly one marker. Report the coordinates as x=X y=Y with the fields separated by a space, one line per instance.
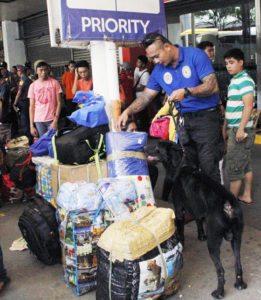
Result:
x=187 y=93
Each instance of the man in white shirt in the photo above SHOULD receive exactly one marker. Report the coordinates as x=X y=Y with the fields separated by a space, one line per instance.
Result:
x=141 y=75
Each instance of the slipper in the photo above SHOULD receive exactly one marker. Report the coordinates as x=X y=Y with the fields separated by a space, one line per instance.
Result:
x=245 y=203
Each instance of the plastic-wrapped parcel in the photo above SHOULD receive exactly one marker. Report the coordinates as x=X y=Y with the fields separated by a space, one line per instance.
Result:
x=126 y=159
x=125 y=153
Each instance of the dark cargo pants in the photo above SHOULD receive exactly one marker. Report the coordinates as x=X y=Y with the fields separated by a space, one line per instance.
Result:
x=201 y=136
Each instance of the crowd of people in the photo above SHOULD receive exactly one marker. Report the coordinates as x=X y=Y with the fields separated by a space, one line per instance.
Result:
x=187 y=77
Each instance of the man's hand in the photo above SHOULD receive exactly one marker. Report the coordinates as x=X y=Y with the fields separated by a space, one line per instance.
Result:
x=54 y=124
x=15 y=107
x=33 y=131
x=123 y=118
x=177 y=95
x=76 y=74
x=240 y=135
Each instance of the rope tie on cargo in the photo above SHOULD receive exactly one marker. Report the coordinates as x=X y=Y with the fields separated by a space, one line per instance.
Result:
x=125 y=154
x=165 y=269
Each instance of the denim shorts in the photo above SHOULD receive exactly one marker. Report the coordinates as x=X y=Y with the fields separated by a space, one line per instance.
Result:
x=238 y=157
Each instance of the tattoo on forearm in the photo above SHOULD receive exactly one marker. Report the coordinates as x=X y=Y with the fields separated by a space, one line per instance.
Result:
x=139 y=104
x=208 y=87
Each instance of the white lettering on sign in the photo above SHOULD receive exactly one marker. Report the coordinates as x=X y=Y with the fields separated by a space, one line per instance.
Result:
x=133 y=6
x=114 y=25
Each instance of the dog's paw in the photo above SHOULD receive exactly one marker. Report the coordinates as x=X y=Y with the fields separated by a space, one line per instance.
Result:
x=202 y=237
x=240 y=284
x=217 y=294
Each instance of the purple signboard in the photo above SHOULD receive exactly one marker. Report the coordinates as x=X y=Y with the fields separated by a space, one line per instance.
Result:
x=117 y=20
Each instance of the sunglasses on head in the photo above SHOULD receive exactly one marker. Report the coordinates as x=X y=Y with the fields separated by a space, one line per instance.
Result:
x=151 y=38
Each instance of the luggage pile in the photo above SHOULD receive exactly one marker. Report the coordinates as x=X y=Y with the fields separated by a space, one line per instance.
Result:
x=67 y=156
x=76 y=151
x=103 y=223
x=85 y=210
x=18 y=171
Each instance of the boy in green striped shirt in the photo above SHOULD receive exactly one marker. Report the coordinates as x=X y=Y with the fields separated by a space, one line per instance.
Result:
x=239 y=126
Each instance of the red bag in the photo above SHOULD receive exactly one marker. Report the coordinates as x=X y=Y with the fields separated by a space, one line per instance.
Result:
x=159 y=128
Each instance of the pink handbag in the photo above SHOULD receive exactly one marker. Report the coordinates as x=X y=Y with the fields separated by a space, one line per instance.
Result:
x=159 y=128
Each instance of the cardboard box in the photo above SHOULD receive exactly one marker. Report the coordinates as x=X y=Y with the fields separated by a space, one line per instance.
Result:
x=66 y=173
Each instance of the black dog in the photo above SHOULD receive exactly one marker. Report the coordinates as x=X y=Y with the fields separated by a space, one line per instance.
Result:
x=203 y=198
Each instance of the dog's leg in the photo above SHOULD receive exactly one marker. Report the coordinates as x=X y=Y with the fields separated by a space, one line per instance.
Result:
x=236 y=245
x=214 y=241
x=180 y=229
x=167 y=186
x=201 y=233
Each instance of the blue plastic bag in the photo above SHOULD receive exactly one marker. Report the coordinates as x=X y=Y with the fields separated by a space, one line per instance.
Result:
x=93 y=113
x=82 y=97
x=41 y=146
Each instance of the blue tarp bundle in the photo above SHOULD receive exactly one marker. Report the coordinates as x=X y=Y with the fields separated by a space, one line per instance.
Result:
x=125 y=153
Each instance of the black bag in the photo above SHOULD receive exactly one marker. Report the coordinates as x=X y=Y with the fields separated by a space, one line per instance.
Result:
x=120 y=280
x=13 y=155
x=75 y=146
x=23 y=172
x=40 y=230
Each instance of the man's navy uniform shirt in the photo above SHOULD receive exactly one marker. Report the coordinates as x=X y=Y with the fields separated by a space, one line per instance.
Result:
x=193 y=65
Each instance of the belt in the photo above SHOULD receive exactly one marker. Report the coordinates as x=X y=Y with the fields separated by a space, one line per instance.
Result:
x=200 y=113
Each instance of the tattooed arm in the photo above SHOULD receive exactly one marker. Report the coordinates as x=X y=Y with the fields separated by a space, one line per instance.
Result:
x=208 y=87
x=139 y=104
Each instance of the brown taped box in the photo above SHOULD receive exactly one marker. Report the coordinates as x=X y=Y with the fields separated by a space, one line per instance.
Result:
x=66 y=173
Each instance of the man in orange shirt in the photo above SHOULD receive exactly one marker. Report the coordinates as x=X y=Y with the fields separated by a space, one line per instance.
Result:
x=82 y=80
x=67 y=83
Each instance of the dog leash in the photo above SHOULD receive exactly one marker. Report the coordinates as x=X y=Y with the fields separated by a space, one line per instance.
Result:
x=171 y=109
x=176 y=121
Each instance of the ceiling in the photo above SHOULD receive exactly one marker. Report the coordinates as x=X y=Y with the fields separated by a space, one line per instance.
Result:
x=19 y=9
